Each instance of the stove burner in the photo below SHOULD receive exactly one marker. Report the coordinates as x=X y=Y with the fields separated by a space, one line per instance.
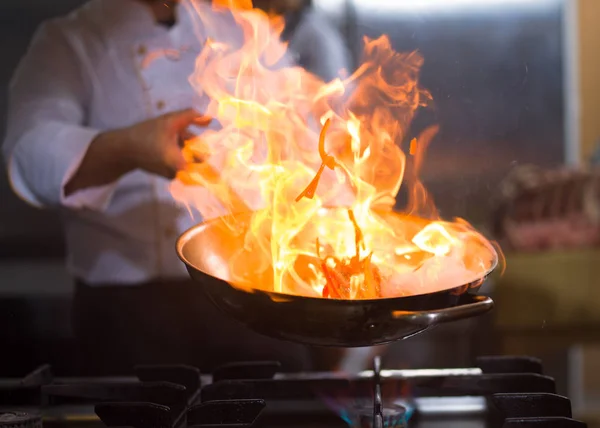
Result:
x=186 y=376
x=375 y=415
x=251 y=370
x=509 y=392
x=25 y=391
x=543 y=423
x=19 y=420
x=509 y=364
x=377 y=399
x=136 y=415
x=535 y=411
x=389 y=417
x=532 y=405
x=238 y=413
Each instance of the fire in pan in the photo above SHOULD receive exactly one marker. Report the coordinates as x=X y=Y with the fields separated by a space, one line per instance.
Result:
x=214 y=256
x=317 y=255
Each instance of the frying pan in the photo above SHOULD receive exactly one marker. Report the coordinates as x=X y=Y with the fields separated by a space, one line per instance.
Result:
x=206 y=250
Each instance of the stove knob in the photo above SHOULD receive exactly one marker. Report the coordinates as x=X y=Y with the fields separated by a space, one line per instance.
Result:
x=19 y=420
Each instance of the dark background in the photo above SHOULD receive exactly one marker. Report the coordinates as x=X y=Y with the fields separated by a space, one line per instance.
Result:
x=496 y=78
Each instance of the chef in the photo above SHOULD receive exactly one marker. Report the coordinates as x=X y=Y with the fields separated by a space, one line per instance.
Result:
x=97 y=110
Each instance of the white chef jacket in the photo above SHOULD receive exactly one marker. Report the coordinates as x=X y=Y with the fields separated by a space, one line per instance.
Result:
x=105 y=66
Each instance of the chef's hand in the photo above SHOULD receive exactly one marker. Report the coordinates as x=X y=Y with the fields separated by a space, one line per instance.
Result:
x=153 y=146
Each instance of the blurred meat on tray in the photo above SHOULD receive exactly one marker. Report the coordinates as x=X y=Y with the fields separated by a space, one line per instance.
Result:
x=542 y=209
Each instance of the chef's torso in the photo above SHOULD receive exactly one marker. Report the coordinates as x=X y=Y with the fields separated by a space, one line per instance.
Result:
x=137 y=70
x=132 y=70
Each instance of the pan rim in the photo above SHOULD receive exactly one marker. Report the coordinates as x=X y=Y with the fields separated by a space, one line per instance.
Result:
x=188 y=235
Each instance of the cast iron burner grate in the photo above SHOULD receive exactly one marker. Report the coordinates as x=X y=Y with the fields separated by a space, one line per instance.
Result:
x=512 y=391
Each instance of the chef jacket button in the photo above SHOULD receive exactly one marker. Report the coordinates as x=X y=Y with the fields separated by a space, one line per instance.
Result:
x=142 y=50
x=160 y=105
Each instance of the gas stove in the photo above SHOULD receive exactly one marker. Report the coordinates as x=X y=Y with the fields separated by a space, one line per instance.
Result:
x=497 y=392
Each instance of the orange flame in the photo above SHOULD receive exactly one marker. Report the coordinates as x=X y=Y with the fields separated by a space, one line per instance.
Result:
x=413 y=146
x=275 y=118
x=326 y=161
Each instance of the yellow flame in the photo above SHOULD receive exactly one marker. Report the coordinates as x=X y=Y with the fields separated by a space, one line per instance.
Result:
x=284 y=129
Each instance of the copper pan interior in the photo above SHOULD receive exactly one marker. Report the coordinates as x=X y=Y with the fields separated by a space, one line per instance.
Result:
x=210 y=247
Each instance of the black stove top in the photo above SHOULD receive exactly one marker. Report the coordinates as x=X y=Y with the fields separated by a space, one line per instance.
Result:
x=497 y=392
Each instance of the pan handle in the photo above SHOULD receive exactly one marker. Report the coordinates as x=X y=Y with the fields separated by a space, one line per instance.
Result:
x=472 y=305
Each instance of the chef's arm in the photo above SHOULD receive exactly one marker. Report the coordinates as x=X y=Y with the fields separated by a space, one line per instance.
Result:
x=152 y=146
x=102 y=164
x=46 y=140
x=53 y=159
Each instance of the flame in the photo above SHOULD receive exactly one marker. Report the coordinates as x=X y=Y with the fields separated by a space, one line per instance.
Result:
x=291 y=146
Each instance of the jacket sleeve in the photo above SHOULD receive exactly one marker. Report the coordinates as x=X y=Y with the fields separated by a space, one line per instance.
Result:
x=46 y=139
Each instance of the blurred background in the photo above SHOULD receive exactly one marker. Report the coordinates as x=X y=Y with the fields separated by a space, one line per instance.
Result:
x=514 y=82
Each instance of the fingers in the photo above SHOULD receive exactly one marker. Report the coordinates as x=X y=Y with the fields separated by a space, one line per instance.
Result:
x=183 y=118
x=191 y=152
x=202 y=121
x=179 y=162
x=174 y=162
x=172 y=158
x=186 y=135
x=186 y=138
